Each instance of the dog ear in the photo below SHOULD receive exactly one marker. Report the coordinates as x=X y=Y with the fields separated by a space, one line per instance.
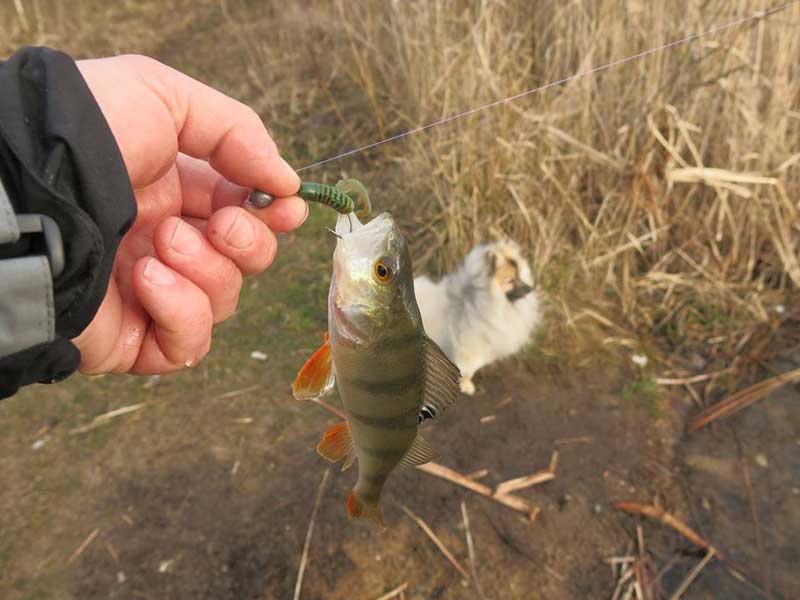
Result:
x=491 y=262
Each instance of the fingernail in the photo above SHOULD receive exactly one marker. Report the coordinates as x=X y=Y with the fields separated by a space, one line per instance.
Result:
x=185 y=239
x=288 y=166
x=158 y=274
x=241 y=233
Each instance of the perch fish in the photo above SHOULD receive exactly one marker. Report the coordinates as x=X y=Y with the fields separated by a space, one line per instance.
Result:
x=391 y=377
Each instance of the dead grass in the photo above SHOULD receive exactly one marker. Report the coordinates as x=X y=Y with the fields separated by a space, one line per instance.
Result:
x=655 y=199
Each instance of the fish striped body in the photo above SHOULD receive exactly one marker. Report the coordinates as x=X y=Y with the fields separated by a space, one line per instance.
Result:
x=380 y=383
x=390 y=376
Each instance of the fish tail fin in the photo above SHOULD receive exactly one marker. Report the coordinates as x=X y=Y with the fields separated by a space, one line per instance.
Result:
x=358 y=508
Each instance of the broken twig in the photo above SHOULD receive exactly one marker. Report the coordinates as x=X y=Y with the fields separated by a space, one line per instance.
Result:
x=234 y=393
x=690 y=534
x=106 y=417
x=665 y=518
x=395 y=592
x=692 y=576
x=304 y=559
x=471 y=550
x=508 y=500
x=84 y=545
x=479 y=474
x=741 y=399
x=520 y=483
x=439 y=544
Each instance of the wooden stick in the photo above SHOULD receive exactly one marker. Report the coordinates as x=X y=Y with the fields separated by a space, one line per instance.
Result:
x=23 y=19
x=398 y=591
x=520 y=483
x=689 y=380
x=471 y=550
x=674 y=523
x=508 y=500
x=304 y=559
x=479 y=474
x=106 y=417
x=239 y=392
x=488 y=419
x=433 y=468
x=84 y=545
x=693 y=575
x=624 y=575
x=741 y=399
x=640 y=568
x=553 y=462
x=439 y=544
x=443 y=472
x=504 y=402
x=667 y=519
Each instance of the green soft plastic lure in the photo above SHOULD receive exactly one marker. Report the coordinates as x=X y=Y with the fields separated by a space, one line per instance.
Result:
x=348 y=195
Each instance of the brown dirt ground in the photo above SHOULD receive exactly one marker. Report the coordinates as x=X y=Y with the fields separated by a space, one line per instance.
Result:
x=230 y=511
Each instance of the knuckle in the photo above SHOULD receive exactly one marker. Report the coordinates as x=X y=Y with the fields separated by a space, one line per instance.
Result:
x=250 y=116
x=231 y=284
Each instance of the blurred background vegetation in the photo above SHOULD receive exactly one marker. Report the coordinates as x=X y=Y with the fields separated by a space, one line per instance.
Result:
x=658 y=200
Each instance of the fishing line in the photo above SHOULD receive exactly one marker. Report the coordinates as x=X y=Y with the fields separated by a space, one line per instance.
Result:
x=756 y=15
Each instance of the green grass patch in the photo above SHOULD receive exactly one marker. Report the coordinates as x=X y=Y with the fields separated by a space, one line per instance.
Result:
x=645 y=391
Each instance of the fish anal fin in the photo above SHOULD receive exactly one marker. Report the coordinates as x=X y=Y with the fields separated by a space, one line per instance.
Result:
x=336 y=443
x=315 y=379
x=441 y=382
x=359 y=509
x=419 y=453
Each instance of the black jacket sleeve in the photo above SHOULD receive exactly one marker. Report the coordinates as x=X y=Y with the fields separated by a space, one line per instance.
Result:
x=58 y=157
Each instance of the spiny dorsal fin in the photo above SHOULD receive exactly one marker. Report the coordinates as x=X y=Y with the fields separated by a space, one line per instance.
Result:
x=315 y=379
x=336 y=444
x=440 y=388
x=419 y=453
x=427 y=413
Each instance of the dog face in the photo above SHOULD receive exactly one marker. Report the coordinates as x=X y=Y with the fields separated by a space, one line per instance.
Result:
x=505 y=266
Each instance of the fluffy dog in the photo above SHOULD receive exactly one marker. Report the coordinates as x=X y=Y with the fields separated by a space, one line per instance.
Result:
x=485 y=310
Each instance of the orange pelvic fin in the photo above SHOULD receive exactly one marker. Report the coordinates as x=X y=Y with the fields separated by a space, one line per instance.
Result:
x=316 y=378
x=337 y=443
x=359 y=509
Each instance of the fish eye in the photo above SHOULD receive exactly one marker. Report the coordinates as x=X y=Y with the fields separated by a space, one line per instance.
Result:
x=383 y=271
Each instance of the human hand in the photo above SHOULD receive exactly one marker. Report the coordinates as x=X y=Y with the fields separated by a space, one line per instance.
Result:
x=179 y=269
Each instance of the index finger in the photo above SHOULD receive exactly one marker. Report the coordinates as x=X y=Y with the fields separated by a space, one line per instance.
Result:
x=231 y=135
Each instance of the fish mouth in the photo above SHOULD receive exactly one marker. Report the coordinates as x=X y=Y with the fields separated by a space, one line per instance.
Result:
x=347 y=223
x=345 y=324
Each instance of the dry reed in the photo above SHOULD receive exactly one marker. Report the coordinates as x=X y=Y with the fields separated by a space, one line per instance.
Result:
x=657 y=200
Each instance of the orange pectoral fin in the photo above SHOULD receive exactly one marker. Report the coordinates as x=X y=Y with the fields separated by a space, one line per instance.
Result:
x=336 y=442
x=316 y=378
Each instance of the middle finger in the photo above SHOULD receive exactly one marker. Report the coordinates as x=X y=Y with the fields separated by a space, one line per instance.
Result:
x=187 y=251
